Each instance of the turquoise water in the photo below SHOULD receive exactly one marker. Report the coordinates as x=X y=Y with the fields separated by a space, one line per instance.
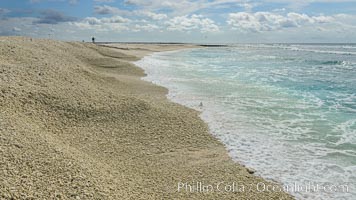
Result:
x=288 y=111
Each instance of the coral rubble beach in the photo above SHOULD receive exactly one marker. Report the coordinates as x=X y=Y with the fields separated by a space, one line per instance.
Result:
x=77 y=122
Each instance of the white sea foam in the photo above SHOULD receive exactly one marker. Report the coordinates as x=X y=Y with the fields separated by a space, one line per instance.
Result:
x=320 y=50
x=262 y=126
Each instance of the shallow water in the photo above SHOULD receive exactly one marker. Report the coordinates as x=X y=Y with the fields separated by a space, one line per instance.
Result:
x=288 y=111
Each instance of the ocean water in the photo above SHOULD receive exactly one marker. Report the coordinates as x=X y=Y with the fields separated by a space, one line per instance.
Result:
x=287 y=111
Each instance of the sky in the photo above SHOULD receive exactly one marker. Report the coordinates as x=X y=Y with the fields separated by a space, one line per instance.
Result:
x=197 y=21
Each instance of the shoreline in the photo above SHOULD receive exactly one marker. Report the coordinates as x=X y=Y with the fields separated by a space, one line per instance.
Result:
x=80 y=123
x=184 y=89
x=195 y=186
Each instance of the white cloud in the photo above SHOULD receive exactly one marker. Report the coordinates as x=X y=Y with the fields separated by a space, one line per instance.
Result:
x=189 y=23
x=152 y=15
x=183 y=7
x=115 y=23
x=298 y=4
x=176 y=7
x=267 y=21
x=346 y=19
x=91 y=21
x=115 y=19
x=109 y=10
x=106 y=20
x=246 y=4
x=145 y=27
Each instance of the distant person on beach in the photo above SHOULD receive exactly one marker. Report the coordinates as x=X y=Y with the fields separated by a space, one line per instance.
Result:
x=93 y=39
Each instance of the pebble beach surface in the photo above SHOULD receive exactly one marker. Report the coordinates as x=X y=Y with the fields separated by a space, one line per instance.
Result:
x=77 y=122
